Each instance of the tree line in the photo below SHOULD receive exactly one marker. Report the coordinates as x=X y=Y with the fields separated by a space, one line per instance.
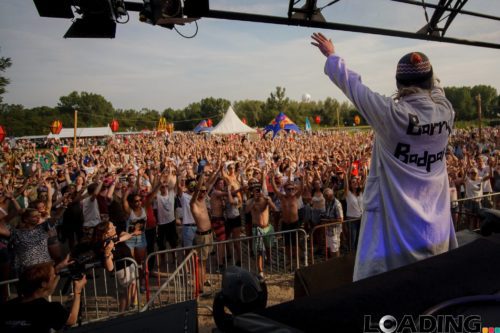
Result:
x=95 y=111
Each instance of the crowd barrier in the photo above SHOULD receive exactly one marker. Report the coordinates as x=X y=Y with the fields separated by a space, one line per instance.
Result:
x=320 y=240
x=465 y=212
x=173 y=275
x=286 y=251
x=180 y=286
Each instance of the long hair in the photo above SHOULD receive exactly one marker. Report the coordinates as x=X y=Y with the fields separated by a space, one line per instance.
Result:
x=99 y=236
x=410 y=88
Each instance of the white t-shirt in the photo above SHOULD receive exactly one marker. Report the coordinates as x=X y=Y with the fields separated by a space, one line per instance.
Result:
x=165 y=206
x=486 y=184
x=187 y=216
x=473 y=188
x=354 y=205
x=91 y=215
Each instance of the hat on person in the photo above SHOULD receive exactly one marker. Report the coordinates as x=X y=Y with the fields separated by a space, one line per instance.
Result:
x=413 y=68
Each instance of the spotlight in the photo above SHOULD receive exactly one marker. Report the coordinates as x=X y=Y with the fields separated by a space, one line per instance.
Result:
x=309 y=12
x=165 y=13
x=98 y=19
x=90 y=26
x=54 y=8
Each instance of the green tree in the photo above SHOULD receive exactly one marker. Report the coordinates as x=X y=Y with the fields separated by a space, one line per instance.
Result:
x=275 y=103
x=251 y=110
x=93 y=109
x=4 y=64
x=488 y=99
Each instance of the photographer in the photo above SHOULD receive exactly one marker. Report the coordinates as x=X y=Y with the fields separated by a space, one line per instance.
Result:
x=111 y=248
x=31 y=312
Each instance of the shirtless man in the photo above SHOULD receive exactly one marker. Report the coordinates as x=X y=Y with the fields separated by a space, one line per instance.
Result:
x=289 y=212
x=218 y=199
x=202 y=219
x=258 y=206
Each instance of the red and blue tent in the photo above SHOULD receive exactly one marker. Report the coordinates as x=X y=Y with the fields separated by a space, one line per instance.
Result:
x=202 y=127
x=281 y=122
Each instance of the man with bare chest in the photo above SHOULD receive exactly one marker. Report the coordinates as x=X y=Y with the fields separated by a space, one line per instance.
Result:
x=289 y=211
x=203 y=227
x=258 y=207
x=218 y=199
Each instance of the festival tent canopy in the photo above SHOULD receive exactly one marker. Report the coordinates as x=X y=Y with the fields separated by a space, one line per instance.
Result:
x=84 y=132
x=231 y=124
x=202 y=127
x=281 y=122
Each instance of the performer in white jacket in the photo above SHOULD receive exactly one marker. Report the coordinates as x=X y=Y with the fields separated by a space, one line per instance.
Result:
x=407 y=214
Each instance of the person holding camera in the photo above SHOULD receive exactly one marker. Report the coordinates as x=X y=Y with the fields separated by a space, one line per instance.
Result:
x=31 y=312
x=111 y=248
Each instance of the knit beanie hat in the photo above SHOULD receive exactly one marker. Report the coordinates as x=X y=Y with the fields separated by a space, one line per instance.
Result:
x=413 y=69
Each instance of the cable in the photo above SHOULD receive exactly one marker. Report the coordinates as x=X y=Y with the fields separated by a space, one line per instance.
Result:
x=329 y=4
x=194 y=35
x=425 y=11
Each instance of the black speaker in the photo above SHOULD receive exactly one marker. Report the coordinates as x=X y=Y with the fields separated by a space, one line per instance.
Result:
x=54 y=8
x=174 y=318
x=319 y=278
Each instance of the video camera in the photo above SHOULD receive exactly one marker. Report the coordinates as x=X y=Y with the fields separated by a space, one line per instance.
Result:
x=80 y=265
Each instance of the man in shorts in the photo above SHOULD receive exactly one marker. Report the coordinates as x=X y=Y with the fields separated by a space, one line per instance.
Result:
x=218 y=199
x=204 y=231
x=258 y=206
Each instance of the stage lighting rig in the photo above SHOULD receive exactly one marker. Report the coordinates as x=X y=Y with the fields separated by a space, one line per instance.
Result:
x=167 y=13
x=98 y=18
x=309 y=11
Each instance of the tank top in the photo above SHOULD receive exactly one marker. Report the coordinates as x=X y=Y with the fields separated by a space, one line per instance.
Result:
x=354 y=205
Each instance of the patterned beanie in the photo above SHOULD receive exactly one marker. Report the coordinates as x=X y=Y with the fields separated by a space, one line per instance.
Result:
x=413 y=68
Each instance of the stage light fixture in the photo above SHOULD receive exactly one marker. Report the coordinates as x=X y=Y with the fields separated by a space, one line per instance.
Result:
x=309 y=12
x=165 y=13
x=54 y=8
x=92 y=27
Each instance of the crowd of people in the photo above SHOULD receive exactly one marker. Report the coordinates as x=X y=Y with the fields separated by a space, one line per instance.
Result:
x=128 y=196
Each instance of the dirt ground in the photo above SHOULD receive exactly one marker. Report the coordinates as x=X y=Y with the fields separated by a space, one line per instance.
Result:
x=279 y=288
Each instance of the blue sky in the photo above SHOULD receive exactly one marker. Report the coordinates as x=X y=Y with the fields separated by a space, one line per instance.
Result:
x=152 y=67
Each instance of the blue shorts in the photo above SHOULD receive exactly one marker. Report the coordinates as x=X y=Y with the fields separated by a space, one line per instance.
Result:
x=188 y=234
x=137 y=241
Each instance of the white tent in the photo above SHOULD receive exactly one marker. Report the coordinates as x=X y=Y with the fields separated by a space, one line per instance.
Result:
x=84 y=132
x=231 y=124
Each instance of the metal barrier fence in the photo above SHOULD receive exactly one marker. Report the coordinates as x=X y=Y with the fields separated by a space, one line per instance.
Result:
x=180 y=286
x=323 y=237
x=284 y=252
x=103 y=294
x=465 y=212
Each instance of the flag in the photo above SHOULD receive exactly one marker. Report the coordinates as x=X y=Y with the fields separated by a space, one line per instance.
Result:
x=308 y=125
